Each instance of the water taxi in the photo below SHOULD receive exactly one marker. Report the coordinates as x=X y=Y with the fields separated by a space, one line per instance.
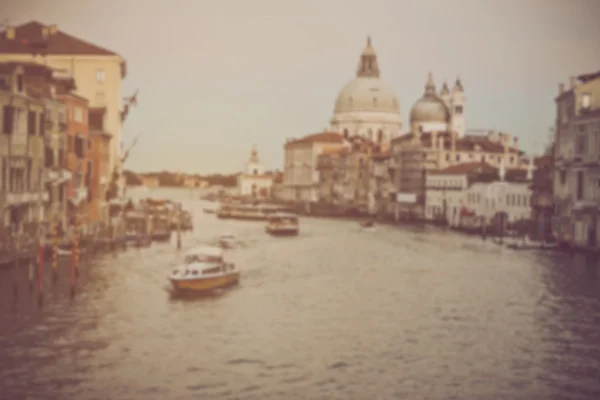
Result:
x=281 y=223
x=203 y=270
x=227 y=241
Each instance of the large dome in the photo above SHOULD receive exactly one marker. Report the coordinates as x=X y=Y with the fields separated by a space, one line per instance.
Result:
x=429 y=108
x=365 y=93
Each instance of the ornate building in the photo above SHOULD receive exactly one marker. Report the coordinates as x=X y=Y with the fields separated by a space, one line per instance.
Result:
x=253 y=181
x=367 y=106
x=439 y=113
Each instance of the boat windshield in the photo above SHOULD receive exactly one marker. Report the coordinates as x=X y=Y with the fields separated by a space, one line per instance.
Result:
x=284 y=220
x=201 y=258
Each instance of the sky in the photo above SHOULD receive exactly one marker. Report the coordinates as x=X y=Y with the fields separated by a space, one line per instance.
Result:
x=216 y=77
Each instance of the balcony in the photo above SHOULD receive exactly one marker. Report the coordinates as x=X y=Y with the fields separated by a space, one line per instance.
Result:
x=15 y=199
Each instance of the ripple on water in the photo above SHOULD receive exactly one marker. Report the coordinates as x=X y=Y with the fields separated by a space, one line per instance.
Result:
x=332 y=314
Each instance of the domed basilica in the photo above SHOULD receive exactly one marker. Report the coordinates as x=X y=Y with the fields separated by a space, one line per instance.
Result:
x=367 y=106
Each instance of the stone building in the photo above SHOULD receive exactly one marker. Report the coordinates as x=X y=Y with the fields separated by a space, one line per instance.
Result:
x=22 y=149
x=97 y=71
x=576 y=159
x=300 y=174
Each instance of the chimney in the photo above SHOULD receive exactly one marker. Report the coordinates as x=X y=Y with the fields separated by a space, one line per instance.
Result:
x=574 y=82
x=10 y=33
x=52 y=29
x=516 y=143
x=561 y=88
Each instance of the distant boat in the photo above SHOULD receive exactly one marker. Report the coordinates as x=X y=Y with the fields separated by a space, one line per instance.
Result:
x=368 y=225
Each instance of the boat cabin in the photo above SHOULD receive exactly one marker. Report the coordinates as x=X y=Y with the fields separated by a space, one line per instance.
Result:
x=204 y=254
x=283 y=218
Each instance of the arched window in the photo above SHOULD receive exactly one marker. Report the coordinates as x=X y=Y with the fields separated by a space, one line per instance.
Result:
x=346 y=134
x=255 y=171
x=379 y=136
x=375 y=101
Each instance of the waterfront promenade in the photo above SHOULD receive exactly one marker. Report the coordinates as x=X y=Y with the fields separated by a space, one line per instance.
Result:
x=403 y=312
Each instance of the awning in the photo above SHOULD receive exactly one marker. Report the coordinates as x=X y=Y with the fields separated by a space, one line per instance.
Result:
x=79 y=196
x=57 y=177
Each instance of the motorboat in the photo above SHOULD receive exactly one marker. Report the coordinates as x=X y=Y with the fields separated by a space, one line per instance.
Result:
x=368 y=225
x=227 y=241
x=280 y=224
x=204 y=269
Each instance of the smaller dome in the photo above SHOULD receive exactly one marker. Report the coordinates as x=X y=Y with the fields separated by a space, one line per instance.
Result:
x=429 y=110
x=430 y=107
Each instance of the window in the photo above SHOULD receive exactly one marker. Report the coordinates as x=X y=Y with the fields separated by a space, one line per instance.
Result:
x=8 y=113
x=458 y=157
x=78 y=115
x=31 y=122
x=375 y=101
x=19 y=83
x=458 y=109
x=580 y=185
x=100 y=76
x=586 y=101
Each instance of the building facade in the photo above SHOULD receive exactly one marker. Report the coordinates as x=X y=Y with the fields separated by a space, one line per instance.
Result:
x=576 y=159
x=78 y=156
x=99 y=174
x=98 y=72
x=300 y=174
x=22 y=151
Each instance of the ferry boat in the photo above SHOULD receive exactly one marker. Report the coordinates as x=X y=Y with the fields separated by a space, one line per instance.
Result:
x=252 y=212
x=204 y=269
x=282 y=224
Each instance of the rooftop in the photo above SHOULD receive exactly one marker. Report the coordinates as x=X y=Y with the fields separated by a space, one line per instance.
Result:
x=322 y=137
x=34 y=36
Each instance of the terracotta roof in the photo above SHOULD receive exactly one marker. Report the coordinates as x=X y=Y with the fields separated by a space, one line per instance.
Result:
x=332 y=151
x=323 y=137
x=589 y=77
x=29 y=38
x=466 y=143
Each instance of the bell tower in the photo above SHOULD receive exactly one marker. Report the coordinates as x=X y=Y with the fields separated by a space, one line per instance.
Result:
x=457 y=109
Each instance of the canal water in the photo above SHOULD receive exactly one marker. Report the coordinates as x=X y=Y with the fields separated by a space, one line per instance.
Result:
x=335 y=313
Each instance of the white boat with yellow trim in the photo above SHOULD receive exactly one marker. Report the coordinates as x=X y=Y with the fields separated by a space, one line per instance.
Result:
x=282 y=224
x=204 y=269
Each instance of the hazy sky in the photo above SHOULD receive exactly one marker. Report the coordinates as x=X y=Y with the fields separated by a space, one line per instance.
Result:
x=217 y=76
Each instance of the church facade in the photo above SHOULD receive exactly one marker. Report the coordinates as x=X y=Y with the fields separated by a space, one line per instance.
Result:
x=254 y=181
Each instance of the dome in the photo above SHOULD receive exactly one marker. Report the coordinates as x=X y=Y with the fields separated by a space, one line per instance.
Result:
x=429 y=108
x=365 y=93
